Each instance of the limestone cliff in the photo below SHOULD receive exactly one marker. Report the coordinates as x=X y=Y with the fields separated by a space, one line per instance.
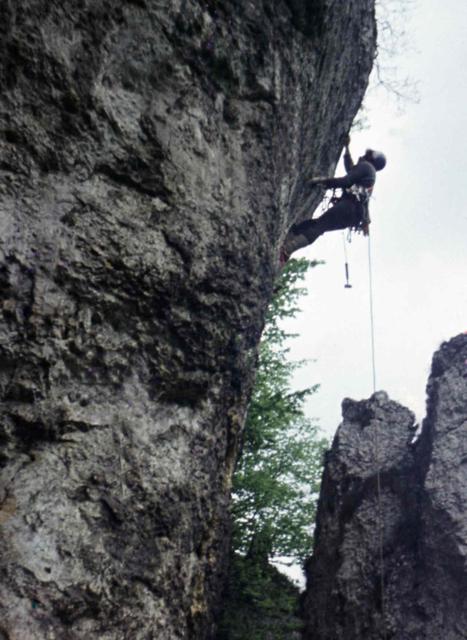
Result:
x=152 y=156
x=391 y=562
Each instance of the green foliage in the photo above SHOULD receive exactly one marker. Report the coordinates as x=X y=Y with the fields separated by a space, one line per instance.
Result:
x=260 y=603
x=276 y=482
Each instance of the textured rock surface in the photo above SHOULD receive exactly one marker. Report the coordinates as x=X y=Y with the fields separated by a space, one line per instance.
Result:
x=420 y=518
x=152 y=155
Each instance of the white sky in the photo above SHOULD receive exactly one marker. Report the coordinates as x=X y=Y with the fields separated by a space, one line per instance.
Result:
x=418 y=237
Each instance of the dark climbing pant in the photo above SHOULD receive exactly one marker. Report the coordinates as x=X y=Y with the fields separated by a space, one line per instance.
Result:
x=347 y=212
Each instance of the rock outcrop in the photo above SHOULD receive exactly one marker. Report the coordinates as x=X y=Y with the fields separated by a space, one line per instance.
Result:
x=390 y=558
x=152 y=156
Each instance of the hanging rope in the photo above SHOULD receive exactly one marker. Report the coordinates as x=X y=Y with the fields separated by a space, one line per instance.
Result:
x=381 y=545
x=377 y=460
x=372 y=321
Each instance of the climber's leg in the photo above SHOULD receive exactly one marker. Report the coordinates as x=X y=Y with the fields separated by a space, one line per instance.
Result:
x=294 y=241
x=345 y=213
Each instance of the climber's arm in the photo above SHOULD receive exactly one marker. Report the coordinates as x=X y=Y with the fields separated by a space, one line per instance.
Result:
x=356 y=174
x=338 y=183
x=348 y=162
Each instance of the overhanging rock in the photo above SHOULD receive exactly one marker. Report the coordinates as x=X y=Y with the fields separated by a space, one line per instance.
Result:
x=152 y=156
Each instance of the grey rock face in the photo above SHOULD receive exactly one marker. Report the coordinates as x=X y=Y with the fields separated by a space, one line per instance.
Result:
x=391 y=544
x=152 y=156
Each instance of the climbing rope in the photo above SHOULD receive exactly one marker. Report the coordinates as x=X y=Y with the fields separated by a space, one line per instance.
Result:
x=381 y=546
x=376 y=440
x=372 y=320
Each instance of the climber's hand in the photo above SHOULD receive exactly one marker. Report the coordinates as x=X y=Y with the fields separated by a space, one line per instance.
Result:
x=346 y=140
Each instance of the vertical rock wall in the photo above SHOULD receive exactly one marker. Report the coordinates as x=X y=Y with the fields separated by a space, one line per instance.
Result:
x=391 y=562
x=152 y=155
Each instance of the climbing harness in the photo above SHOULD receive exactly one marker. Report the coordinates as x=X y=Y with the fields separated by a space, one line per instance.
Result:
x=363 y=195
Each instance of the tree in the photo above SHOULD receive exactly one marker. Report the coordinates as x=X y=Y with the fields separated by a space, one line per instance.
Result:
x=392 y=17
x=393 y=42
x=277 y=478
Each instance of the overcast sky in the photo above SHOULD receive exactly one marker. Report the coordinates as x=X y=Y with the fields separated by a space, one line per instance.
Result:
x=418 y=237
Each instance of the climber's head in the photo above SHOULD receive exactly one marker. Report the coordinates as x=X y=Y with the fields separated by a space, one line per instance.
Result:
x=376 y=158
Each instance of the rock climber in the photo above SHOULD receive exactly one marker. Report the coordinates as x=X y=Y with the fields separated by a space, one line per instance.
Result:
x=348 y=211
